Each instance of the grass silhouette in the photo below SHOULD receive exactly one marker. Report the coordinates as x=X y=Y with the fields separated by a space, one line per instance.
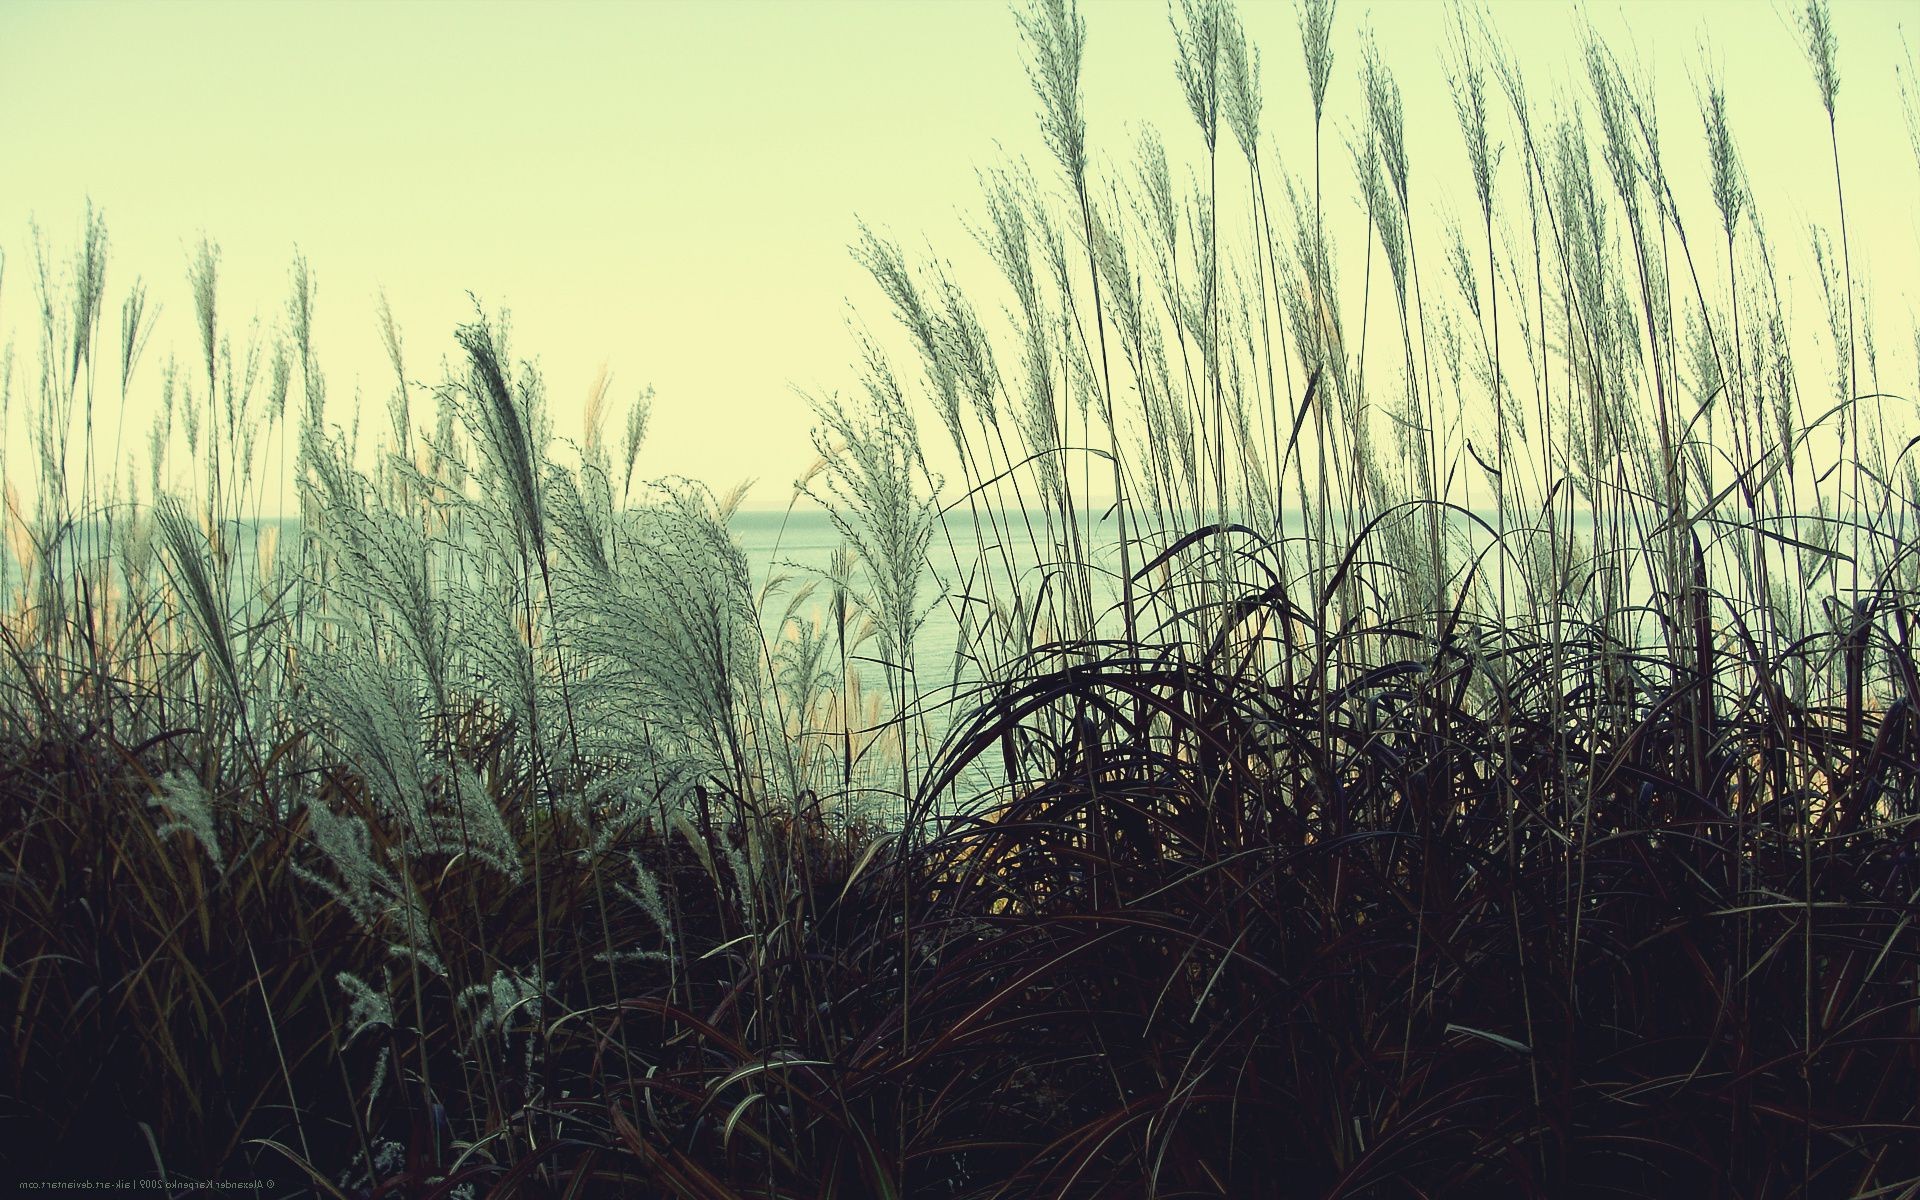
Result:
x=1287 y=824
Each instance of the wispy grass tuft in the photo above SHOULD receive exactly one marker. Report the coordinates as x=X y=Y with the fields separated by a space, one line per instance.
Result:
x=1283 y=812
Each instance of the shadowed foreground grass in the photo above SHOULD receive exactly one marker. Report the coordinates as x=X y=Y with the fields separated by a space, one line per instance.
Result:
x=1396 y=943
x=1484 y=769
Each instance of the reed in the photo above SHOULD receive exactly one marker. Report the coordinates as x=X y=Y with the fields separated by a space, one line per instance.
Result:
x=1300 y=818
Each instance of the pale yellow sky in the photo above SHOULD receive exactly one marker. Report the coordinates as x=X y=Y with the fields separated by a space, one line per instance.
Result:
x=670 y=188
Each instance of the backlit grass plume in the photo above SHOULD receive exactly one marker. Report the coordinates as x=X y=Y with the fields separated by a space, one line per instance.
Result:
x=1313 y=724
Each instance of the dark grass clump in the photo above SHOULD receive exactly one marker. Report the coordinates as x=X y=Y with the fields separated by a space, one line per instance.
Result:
x=178 y=1013
x=1392 y=945
x=1286 y=822
x=1405 y=940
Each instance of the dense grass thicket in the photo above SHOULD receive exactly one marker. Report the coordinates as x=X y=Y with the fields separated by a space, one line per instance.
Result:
x=1478 y=759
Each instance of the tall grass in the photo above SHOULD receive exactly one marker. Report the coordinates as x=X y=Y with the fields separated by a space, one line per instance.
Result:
x=1485 y=766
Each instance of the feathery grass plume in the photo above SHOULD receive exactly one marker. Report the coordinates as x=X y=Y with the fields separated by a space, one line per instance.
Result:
x=382 y=555
x=1143 y=354
x=507 y=1000
x=501 y=423
x=888 y=268
x=1827 y=268
x=1387 y=132
x=1169 y=430
x=579 y=508
x=475 y=822
x=494 y=644
x=648 y=899
x=964 y=341
x=1386 y=119
x=499 y=1003
x=1467 y=76
x=1126 y=304
x=191 y=571
x=1197 y=36
x=594 y=415
x=1055 y=37
x=1612 y=101
x=1037 y=419
x=1006 y=237
x=300 y=310
x=137 y=553
x=1729 y=187
x=1821 y=48
x=873 y=452
x=1316 y=48
x=399 y=408
x=746 y=886
x=23 y=550
x=368 y=1008
x=189 y=809
x=1730 y=198
x=203 y=277
x=805 y=679
x=9 y=495
x=1909 y=99
x=89 y=288
x=1241 y=100
x=136 y=326
x=636 y=434
x=279 y=382
x=675 y=629
x=1244 y=107
x=366 y=889
x=1703 y=361
x=369 y=710
x=1469 y=84
x=447 y=470
x=1160 y=211
x=1381 y=212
